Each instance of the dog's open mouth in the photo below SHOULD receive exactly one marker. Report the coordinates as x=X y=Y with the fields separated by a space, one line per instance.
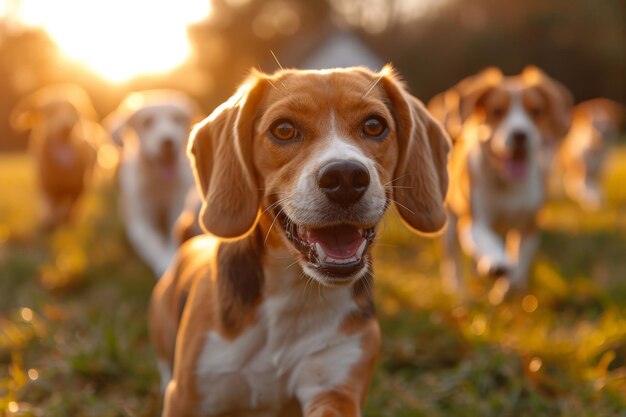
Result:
x=336 y=251
x=514 y=165
x=168 y=165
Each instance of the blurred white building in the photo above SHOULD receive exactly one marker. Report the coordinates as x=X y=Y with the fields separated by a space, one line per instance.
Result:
x=330 y=48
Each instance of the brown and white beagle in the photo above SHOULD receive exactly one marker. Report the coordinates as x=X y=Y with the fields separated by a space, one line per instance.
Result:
x=151 y=128
x=595 y=126
x=506 y=130
x=64 y=138
x=272 y=313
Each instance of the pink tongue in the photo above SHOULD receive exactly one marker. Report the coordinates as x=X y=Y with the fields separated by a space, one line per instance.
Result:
x=339 y=242
x=515 y=169
x=168 y=169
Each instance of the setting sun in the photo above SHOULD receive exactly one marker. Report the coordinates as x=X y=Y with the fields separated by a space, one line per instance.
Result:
x=118 y=39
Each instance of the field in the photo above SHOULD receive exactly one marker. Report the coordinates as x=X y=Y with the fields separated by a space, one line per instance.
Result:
x=73 y=338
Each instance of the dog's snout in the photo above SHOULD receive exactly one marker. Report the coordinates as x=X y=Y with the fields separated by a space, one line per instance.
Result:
x=519 y=138
x=167 y=145
x=168 y=151
x=344 y=182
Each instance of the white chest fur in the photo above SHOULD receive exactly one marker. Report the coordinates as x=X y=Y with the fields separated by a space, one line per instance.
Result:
x=513 y=204
x=294 y=351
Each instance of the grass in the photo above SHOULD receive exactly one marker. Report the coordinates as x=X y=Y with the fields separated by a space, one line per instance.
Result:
x=73 y=338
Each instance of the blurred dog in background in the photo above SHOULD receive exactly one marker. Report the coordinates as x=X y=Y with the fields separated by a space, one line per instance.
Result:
x=64 y=139
x=506 y=130
x=595 y=126
x=152 y=127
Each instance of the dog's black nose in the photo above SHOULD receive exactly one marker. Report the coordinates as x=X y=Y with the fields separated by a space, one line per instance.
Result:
x=344 y=182
x=167 y=145
x=168 y=152
x=519 y=138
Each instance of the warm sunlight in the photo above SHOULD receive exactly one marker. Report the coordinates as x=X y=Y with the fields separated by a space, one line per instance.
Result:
x=118 y=39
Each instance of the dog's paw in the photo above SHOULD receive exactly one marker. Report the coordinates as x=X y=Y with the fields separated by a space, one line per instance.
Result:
x=494 y=269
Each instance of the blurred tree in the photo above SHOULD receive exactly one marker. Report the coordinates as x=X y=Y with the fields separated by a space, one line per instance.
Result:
x=580 y=42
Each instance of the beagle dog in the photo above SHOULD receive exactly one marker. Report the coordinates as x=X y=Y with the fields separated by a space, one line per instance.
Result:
x=506 y=131
x=595 y=127
x=64 y=139
x=271 y=314
x=152 y=128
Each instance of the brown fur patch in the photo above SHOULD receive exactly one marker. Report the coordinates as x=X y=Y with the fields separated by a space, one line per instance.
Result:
x=240 y=282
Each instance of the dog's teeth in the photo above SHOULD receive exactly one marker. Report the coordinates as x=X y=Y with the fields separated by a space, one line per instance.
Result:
x=321 y=255
x=341 y=261
x=361 y=249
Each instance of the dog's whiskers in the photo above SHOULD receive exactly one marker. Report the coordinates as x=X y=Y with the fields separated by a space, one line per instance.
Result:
x=371 y=87
x=267 y=79
x=402 y=205
x=271 y=225
x=395 y=179
x=272 y=84
x=280 y=66
x=291 y=264
x=271 y=206
x=400 y=186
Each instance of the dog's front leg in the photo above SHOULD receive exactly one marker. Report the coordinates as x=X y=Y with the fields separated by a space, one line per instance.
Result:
x=175 y=402
x=333 y=404
x=150 y=246
x=523 y=248
x=451 y=267
x=328 y=385
x=485 y=246
x=148 y=242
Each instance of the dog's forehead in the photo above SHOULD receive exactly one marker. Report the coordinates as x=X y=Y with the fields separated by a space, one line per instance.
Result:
x=324 y=86
x=315 y=91
x=160 y=110
x=514 y=87
x=58 y=104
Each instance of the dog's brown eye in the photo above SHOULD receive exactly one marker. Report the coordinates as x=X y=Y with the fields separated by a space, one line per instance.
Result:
x=180 y=119
x=374 y=128
x=536 y=111
x=147 y=122
x=283 y=131
x=497 y=112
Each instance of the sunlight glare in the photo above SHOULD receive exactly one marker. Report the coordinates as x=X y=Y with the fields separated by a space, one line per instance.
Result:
x=119 y=39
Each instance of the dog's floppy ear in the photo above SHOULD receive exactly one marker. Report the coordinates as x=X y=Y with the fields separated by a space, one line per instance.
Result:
x=115 y=125
x=445 y=107
x=24 y=115
x=471 y=90
x=117 y=122
x=78 y=98
x=220 y=149
x=616 y=111
x=421 y=175
x=558 y=97
x=455 y=105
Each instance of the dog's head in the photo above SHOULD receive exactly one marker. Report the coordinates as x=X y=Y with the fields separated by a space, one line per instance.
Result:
x=516 y=118
x=321 y=155
x=156 y=125
x=54 y=111
x=604 y=118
